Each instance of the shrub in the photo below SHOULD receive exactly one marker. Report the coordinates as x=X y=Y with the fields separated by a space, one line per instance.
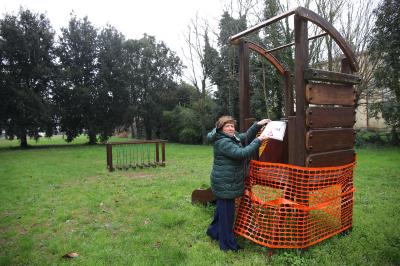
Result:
x=371 y=137
x=182 y=125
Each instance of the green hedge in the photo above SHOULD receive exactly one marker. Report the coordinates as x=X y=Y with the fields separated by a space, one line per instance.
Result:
x=371 y=137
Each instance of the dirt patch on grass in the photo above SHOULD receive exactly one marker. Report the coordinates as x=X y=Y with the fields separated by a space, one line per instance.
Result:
x=20 y=229
x=137 y=175
x=92 y=179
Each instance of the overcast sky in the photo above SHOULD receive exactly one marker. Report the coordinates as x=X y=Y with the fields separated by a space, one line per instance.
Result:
x=167 y=20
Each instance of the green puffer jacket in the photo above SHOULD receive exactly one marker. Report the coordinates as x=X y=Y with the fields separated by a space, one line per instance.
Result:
x=230 y=159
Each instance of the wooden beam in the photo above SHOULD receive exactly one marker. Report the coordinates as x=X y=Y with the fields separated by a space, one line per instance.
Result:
x=233 y=39
x=329 y=76
x=203 y=196
x=288 y=94
x=301 y=63
x=330 y=29
x=332 y=158
x=292 y=43
x=109 y=157
x=291 y=129
x=272 y=59
x=330 y=139
x=244 y=85
x=327 y=117
x=322 y=93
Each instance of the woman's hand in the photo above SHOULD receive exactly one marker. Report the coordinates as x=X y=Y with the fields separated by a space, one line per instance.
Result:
x=262 y=137
x=263 y=122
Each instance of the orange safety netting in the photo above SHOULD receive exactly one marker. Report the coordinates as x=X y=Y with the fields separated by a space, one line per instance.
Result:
x=287 y=206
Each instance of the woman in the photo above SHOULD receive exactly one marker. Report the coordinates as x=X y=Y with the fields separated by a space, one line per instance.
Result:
x=227 y=176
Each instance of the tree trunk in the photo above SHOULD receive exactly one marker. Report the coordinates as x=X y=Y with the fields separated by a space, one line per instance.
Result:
x=148 y=130
x=158 y=133
x=203 y=132
x=330 y=56
x=148 y=133
x=394 y=137
x=203 y=111
x=92 y=137
x=367 y=109
x=23 y=140
x=134 y=131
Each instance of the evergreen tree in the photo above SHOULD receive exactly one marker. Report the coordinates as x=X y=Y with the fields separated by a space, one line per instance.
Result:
x=386 y=45
x=268 y=96
x=112 y=97
x=226 y=74
x=77 y=90
x=154 y=69
x=183 y=122
x=132 y=57
x=27 y=67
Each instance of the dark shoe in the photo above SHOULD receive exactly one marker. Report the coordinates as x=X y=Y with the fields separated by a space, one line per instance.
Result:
x=239 y=248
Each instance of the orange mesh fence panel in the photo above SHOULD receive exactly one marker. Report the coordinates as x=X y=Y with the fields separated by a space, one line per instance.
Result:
x=286 y=206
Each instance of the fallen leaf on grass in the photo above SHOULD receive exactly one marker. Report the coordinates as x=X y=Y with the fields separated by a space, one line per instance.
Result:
x=146 y=221
x=70 y=255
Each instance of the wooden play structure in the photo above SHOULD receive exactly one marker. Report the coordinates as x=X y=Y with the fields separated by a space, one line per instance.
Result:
x=304 y=195
x=135 y=154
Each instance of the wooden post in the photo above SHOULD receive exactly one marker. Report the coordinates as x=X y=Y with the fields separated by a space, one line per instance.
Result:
x=288 y=94
x=301 y=63
x=109 y=157
x=345 y=68
x=291 y=128
x=244 y=84
x=157 y=154
x=248 y=122
x=163 y=153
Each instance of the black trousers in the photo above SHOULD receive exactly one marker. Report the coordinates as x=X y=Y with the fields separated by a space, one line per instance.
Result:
x=221 y=228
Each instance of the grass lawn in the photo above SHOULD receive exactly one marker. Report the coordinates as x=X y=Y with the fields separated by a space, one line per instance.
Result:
x=61 y=198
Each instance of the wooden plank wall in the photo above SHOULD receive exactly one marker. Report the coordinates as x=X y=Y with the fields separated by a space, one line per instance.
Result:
x=330 y=117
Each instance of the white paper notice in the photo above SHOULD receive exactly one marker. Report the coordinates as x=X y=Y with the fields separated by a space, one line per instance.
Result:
x=275 y=130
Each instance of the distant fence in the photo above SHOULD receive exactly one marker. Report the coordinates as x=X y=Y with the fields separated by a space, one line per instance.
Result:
x=135 y=154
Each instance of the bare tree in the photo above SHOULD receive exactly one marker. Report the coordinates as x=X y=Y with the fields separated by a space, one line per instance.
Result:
x=316 y=48
x=195 y=57
x=331 y=11
x=356 y=26
x=252 y=10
